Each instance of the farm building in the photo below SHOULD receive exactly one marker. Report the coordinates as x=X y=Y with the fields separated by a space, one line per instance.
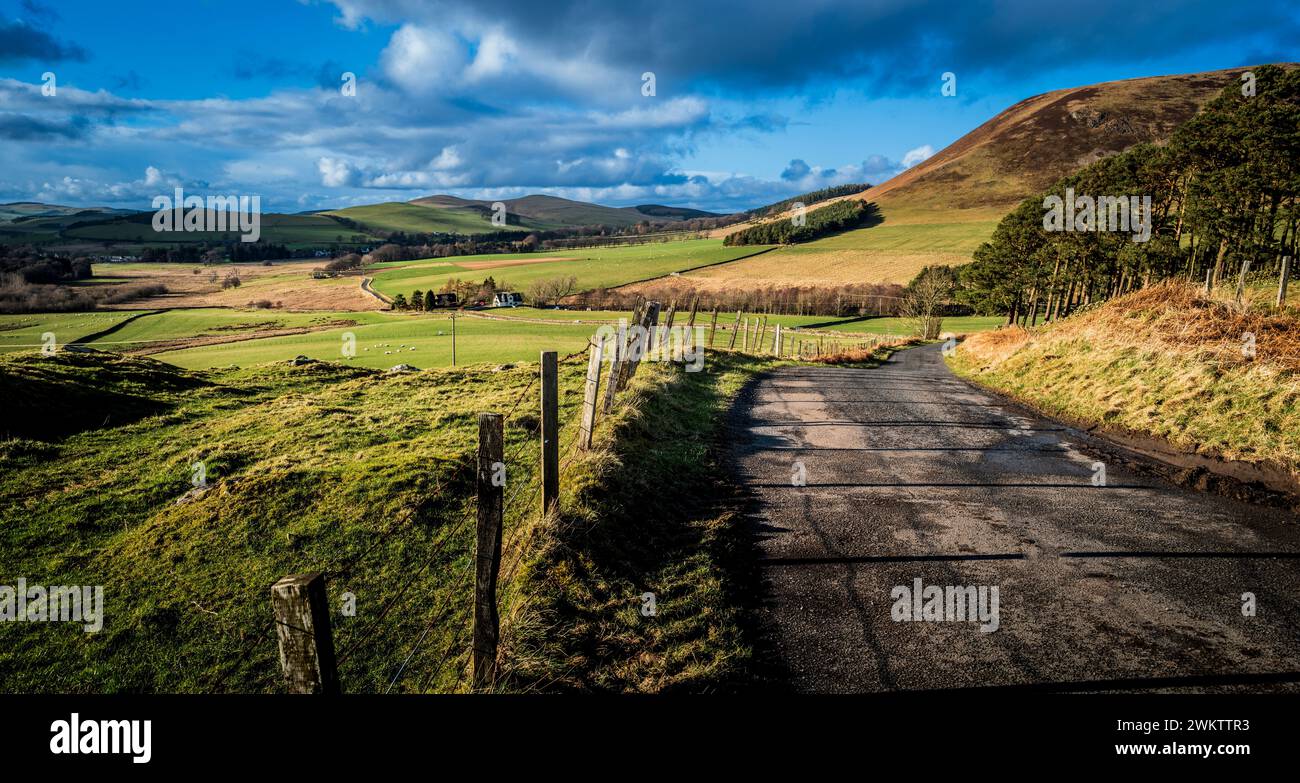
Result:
x=507 y=299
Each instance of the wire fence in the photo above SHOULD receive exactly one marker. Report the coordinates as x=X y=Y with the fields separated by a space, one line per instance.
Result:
x=420 y=661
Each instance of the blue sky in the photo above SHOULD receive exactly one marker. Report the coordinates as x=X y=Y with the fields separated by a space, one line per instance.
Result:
x=753 y=101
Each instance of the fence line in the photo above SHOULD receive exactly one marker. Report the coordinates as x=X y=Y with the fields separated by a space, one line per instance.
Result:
x=494 y=504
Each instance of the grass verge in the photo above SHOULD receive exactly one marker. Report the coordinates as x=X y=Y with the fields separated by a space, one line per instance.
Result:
x=1209 y=378
x=649 y=510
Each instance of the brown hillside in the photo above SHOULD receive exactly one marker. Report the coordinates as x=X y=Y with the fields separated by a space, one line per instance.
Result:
x=1027 y=147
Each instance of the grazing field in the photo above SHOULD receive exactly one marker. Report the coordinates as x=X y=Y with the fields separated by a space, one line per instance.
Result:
x=182 y=328
x=420 y=340
x=593 y=267
x=894 y=251
x=23 y=332
x=315 y=468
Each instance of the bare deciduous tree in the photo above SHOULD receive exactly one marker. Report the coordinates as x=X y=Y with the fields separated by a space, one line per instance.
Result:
x=551 y=290
x=924 y=299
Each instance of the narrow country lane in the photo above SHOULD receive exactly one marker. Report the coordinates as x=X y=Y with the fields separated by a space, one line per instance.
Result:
x=912 y=473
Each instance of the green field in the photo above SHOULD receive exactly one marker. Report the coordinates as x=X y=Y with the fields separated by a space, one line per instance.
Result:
x=23 y=332
x=421 y=219
x=211 y=322
x=322 y=467
x=388 y=343
x=593 y=267
x=893 y=251
x=292 y=230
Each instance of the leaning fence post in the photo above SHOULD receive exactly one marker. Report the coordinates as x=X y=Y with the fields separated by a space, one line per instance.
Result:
x=1281 y=285
x=734 y=331
x=487 y=549
x=590 y=395
x=616 y=358
x=641 y=339
x=550 y=432
x=713 y=327
x=302 y=624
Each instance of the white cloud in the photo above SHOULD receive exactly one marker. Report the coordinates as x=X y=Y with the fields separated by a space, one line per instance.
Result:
x=335 y=173
x=423 y=60
x=915 y=156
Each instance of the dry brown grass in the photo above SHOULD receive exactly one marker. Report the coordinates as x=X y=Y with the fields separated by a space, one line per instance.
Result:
x=1166 y=361
x=289 y=283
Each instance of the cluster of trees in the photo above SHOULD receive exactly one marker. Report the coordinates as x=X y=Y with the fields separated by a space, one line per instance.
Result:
x=420 y=300
x=210 y=252
x=33 y=281
x=820 y=222
x=344 y=263
x=838 y=302
x=466 y=291
x=37 y=266
x=1223 y=204
x=808 y=199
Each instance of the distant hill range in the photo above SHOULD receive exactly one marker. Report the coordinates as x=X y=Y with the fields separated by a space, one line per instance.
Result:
x=96 y=229
x=1026 y=148
x=536 y=212
x=19 y=211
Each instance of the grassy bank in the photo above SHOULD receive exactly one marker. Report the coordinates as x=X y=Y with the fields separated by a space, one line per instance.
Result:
x=368 y=477
x=364 y=475
x=1166 y=361
x=648 y=511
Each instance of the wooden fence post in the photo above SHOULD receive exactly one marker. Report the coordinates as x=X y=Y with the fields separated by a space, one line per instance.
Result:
x=550 y=432
x=1241 y=279
x=487 y=550
x=735 y=330
x=665 y=331
x=713 y=326
x=744 y=341
x=592 y=393
x=776 y=341
x=695 y=303
x=302 y=624
x=1281 y=285
x=642 y=338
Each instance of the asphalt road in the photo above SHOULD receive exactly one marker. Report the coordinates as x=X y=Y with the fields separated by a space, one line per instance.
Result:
x=910 y=473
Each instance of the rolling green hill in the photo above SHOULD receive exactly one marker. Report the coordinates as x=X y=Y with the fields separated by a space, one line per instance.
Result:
x=291 y=230
x=415 y=218
x=555 y=211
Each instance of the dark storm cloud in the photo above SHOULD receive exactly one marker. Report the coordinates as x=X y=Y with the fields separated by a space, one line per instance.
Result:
x=25 y=39
x=893 y=45
x=19 y=127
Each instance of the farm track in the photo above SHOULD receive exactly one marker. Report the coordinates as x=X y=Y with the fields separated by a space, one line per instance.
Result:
x=910 y=473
